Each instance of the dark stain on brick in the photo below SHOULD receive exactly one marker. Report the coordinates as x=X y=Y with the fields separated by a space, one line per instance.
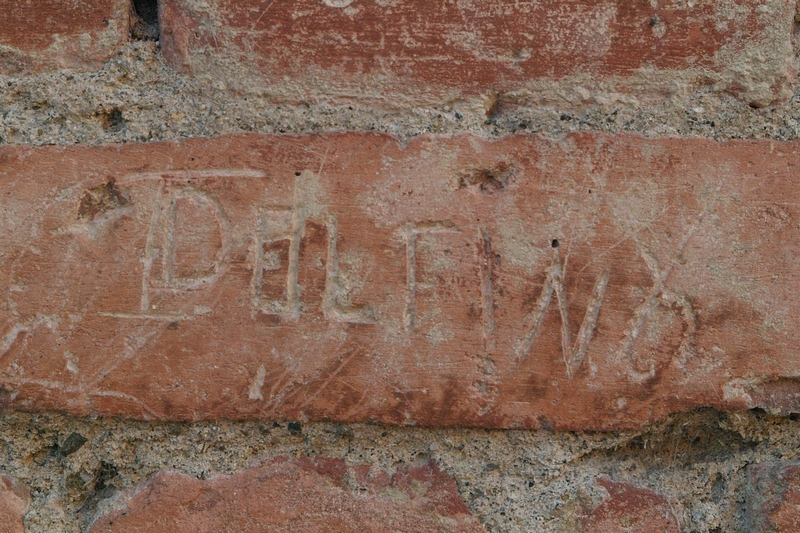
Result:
x=101 y=199
x=486 y=180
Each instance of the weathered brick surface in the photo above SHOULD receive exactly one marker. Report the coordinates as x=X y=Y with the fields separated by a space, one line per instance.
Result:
x=368 y=48
x=307 y=494
x=773 y=498
x=594 y=282
x=628 y=508
x=14 y=503
x=46 y=34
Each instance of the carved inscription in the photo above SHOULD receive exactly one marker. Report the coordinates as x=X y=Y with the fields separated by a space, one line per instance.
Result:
x=658 y=294
x=278 y=236
x=275 y=250
x=334 y=294
x=411 y=231
x=280 y=231
x=573 y=353
x=348 y=277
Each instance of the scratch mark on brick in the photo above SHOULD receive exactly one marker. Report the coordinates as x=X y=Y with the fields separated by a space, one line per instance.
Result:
x=258 y=382
x=486 y=260
x=25 y=327
x=173 y=175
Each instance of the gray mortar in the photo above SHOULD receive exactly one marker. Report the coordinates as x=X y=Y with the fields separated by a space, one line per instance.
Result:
x=136 y=97
x=514 y=481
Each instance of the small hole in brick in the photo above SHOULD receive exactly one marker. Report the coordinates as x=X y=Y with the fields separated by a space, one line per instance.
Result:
x=144 y=20
x=555 y=243
x=147 y=10
x=112 y=120
x=488 y=180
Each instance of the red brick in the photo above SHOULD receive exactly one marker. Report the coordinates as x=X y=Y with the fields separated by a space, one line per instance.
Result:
x=14 y=503
x=777 y=397
x=773 y=498
x=349 y=277
x=307 y=494
x=382 y=50
x=49 y=34
x=628 y=508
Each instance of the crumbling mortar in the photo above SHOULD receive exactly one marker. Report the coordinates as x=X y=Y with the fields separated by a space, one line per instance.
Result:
x=508 y=492
x=155 y=102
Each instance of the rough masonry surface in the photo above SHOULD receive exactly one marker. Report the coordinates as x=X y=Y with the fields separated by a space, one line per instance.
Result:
x=406 y=51
x=596 y=282
x=252 y=284
x=41 y=35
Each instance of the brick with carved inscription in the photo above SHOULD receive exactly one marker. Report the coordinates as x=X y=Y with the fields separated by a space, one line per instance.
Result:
x=408 y=52
x=40 y=35
x=592 y=282
x=287 y=495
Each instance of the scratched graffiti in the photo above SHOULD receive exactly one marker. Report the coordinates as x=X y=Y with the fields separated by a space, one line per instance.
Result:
x=349 y=277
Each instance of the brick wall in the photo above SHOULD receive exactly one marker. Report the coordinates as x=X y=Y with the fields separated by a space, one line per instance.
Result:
x=339 y=265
